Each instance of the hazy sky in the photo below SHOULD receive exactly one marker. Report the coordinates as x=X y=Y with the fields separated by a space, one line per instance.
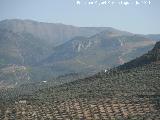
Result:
x=134 y=18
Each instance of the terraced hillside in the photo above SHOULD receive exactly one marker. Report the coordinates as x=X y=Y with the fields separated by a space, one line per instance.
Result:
x=132 y=93
x=83 y=109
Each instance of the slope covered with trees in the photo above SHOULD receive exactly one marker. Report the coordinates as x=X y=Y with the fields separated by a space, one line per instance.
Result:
x=132 y=93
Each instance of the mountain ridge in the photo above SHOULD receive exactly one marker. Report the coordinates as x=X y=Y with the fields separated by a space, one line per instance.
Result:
x=50 y=50
x=95 y=50
x=52 y=32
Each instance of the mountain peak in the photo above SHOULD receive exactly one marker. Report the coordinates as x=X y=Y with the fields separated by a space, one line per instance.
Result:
x=111 y=32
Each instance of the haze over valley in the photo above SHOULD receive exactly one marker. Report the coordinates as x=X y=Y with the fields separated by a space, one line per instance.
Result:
x=34 y=51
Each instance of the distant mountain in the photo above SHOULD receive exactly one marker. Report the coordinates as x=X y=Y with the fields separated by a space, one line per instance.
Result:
x=155 y=37
x=22 y=48
x=28 y=42
x=53 y=33
x=47 y=50
x=103 y=50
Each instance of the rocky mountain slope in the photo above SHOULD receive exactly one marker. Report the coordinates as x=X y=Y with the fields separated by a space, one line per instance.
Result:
x=53 y=33
x=101 y=51
x=48 y=49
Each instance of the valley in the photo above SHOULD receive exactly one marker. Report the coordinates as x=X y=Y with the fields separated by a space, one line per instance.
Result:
x=52 y=71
